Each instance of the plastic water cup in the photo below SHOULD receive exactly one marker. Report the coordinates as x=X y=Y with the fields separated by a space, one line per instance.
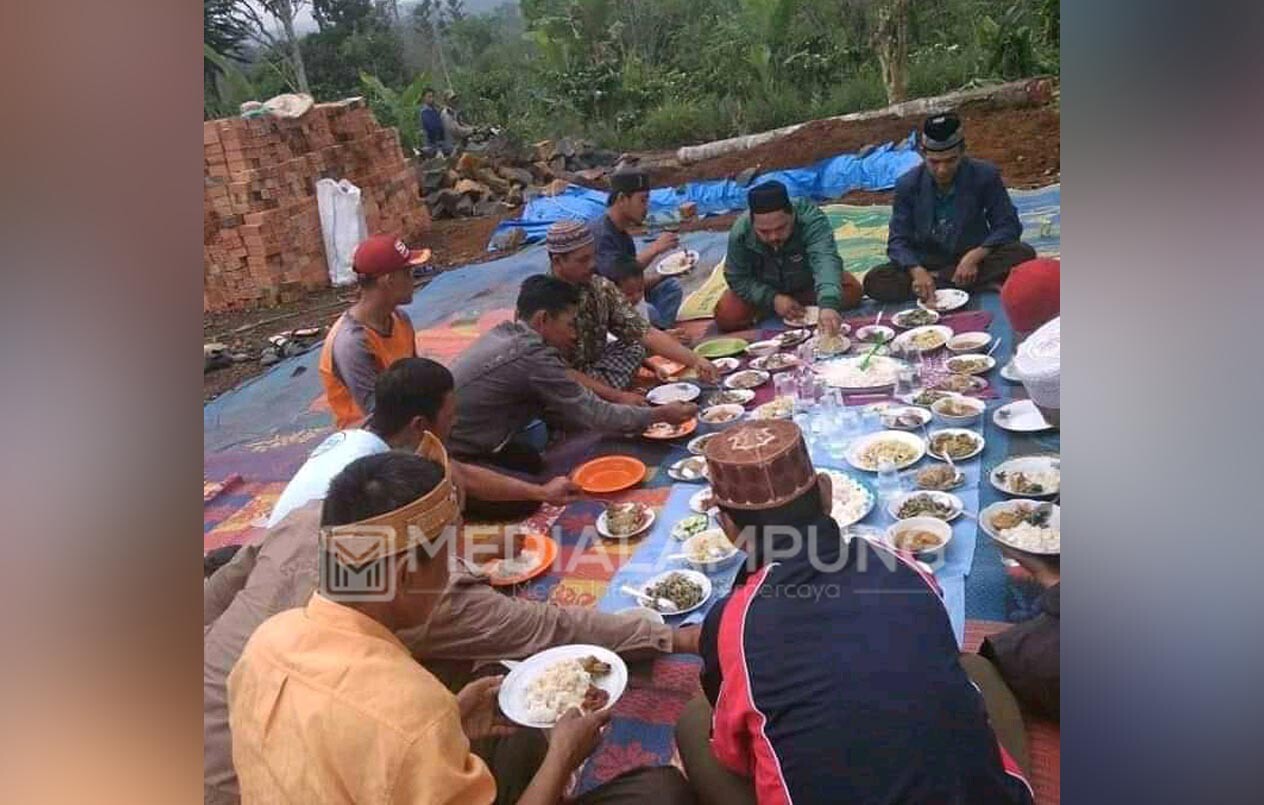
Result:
x=890 y=485
x=784 y=386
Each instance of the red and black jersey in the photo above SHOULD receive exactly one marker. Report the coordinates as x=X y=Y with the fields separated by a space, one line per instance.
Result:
x=834 y=676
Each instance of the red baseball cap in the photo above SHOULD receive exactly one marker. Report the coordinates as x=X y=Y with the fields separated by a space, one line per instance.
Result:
x=385 y=254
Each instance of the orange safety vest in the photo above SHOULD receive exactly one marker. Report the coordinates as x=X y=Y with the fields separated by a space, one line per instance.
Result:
x=401 y=343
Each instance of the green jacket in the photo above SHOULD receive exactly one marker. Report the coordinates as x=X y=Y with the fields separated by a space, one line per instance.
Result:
x=808 y=260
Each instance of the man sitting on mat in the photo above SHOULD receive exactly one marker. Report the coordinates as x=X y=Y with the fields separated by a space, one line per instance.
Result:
x=831 y=672
x=475 y=623
x=327 y=704
x=375 y=332
x=952 y=223
x=515 y=374
x=416 y=396
x=627 y=207
x=603 y=366
x=781 y=257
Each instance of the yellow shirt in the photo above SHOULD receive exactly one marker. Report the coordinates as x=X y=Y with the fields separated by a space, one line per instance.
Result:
x=327 y=706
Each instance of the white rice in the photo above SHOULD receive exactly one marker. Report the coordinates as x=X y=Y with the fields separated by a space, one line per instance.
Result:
x=559 y=688
x=1036 y=539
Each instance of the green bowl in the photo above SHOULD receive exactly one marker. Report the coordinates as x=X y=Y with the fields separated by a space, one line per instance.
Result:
x=721 y=347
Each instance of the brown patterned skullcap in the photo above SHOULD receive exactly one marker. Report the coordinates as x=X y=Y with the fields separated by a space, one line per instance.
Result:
x=567 y=236
x=759 y=465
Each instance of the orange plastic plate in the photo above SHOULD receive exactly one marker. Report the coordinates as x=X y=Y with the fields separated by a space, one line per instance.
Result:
x=609 y=474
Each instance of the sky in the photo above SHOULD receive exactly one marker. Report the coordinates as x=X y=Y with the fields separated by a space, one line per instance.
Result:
x=304 y=23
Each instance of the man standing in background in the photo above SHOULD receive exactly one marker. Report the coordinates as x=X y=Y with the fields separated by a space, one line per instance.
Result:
x=432 y=124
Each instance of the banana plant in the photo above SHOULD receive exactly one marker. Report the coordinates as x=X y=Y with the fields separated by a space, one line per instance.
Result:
x=397 y=108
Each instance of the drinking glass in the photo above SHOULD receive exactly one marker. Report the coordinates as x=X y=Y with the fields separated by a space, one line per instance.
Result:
x=783 y=384
x=890 y=484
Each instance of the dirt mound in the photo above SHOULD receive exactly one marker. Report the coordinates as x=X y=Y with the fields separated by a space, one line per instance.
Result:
x=1024 y=142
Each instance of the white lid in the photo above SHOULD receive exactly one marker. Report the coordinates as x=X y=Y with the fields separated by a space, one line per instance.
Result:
x=1038 y=364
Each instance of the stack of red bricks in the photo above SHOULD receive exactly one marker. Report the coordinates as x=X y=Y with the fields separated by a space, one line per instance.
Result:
x=263 y=244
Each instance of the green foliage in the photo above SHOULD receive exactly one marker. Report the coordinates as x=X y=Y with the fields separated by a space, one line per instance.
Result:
x=658 y=73
x=398 y=109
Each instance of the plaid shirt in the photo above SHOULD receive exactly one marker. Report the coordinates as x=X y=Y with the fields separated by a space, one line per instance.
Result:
x=602 y=310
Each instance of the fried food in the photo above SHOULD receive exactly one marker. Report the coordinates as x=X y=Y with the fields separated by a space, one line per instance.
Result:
x=938 y=477
x=956 y=445
x=594 y=666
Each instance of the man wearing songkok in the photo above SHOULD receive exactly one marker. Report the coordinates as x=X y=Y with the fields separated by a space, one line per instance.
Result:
x=1038 y=364
x=831 y=672
x=413 y=397
x=603 y=366
x=515 y=373
x=781 y=257
x=1032 y=295
x=375 y=332
x=952 y=222
x=475 y=622
x=626 y=207
x=388 y=730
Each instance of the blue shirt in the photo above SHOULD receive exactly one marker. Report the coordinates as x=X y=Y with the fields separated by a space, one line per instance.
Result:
x=432 y=124
x=612 y=243
x=835 y=677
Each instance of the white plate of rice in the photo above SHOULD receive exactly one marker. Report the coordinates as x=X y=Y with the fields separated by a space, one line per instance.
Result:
x=1043 y=540
x=852 y=500
x=544 y=686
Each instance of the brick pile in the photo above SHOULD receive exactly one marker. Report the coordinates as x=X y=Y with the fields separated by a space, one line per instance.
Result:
x=262 y=238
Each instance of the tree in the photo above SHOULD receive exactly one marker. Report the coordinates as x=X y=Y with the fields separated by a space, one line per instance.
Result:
x=341 y=13
x=281 y=12
x=890 y=42
x=224 y=29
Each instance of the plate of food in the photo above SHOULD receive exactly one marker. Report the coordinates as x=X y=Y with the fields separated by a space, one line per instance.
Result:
x=792 y=338
x=543 y=687
x=699 y=443
x=607 y=474
x=685 y=589
x=709 y=549
x=852 y=498
x=970 y=364
x=959 y=443
x=537 y=555
x=923 y=339
x=702 y=501
x=947 y=299
x=677 y=262
x=731 y=397
x=746 y=379
x=958 y=410
x=811 y=315
x=1035 y=476
x=903 y=448
x=722 y=415
x=940 y=505
x=673 y=392
x=666 y=430
x=624 y=520
x=1031 y=526
x=939 y=478
x=904 y=417
x=686 y=527
x=853 y=374
x=693 y=468
x=875 y=334
x=959 y=384
x=919 y=535
x=777 y=408
x=914 y=317
x=1020 y=416
x=726 y=365
x=925 y=397
x=776 y=362
x=827 y=346
x=721 y=347
x=968 y=342
x=760 y=349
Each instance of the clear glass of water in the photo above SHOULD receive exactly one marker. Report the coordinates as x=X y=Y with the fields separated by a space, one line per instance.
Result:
x=890 y=484
x=784 y=385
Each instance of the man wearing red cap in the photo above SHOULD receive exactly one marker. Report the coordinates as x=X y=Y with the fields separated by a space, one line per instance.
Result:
x=1032 y=295
x=374 y=333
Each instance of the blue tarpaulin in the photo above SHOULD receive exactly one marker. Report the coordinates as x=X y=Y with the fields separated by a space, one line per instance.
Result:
x=828 y=179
